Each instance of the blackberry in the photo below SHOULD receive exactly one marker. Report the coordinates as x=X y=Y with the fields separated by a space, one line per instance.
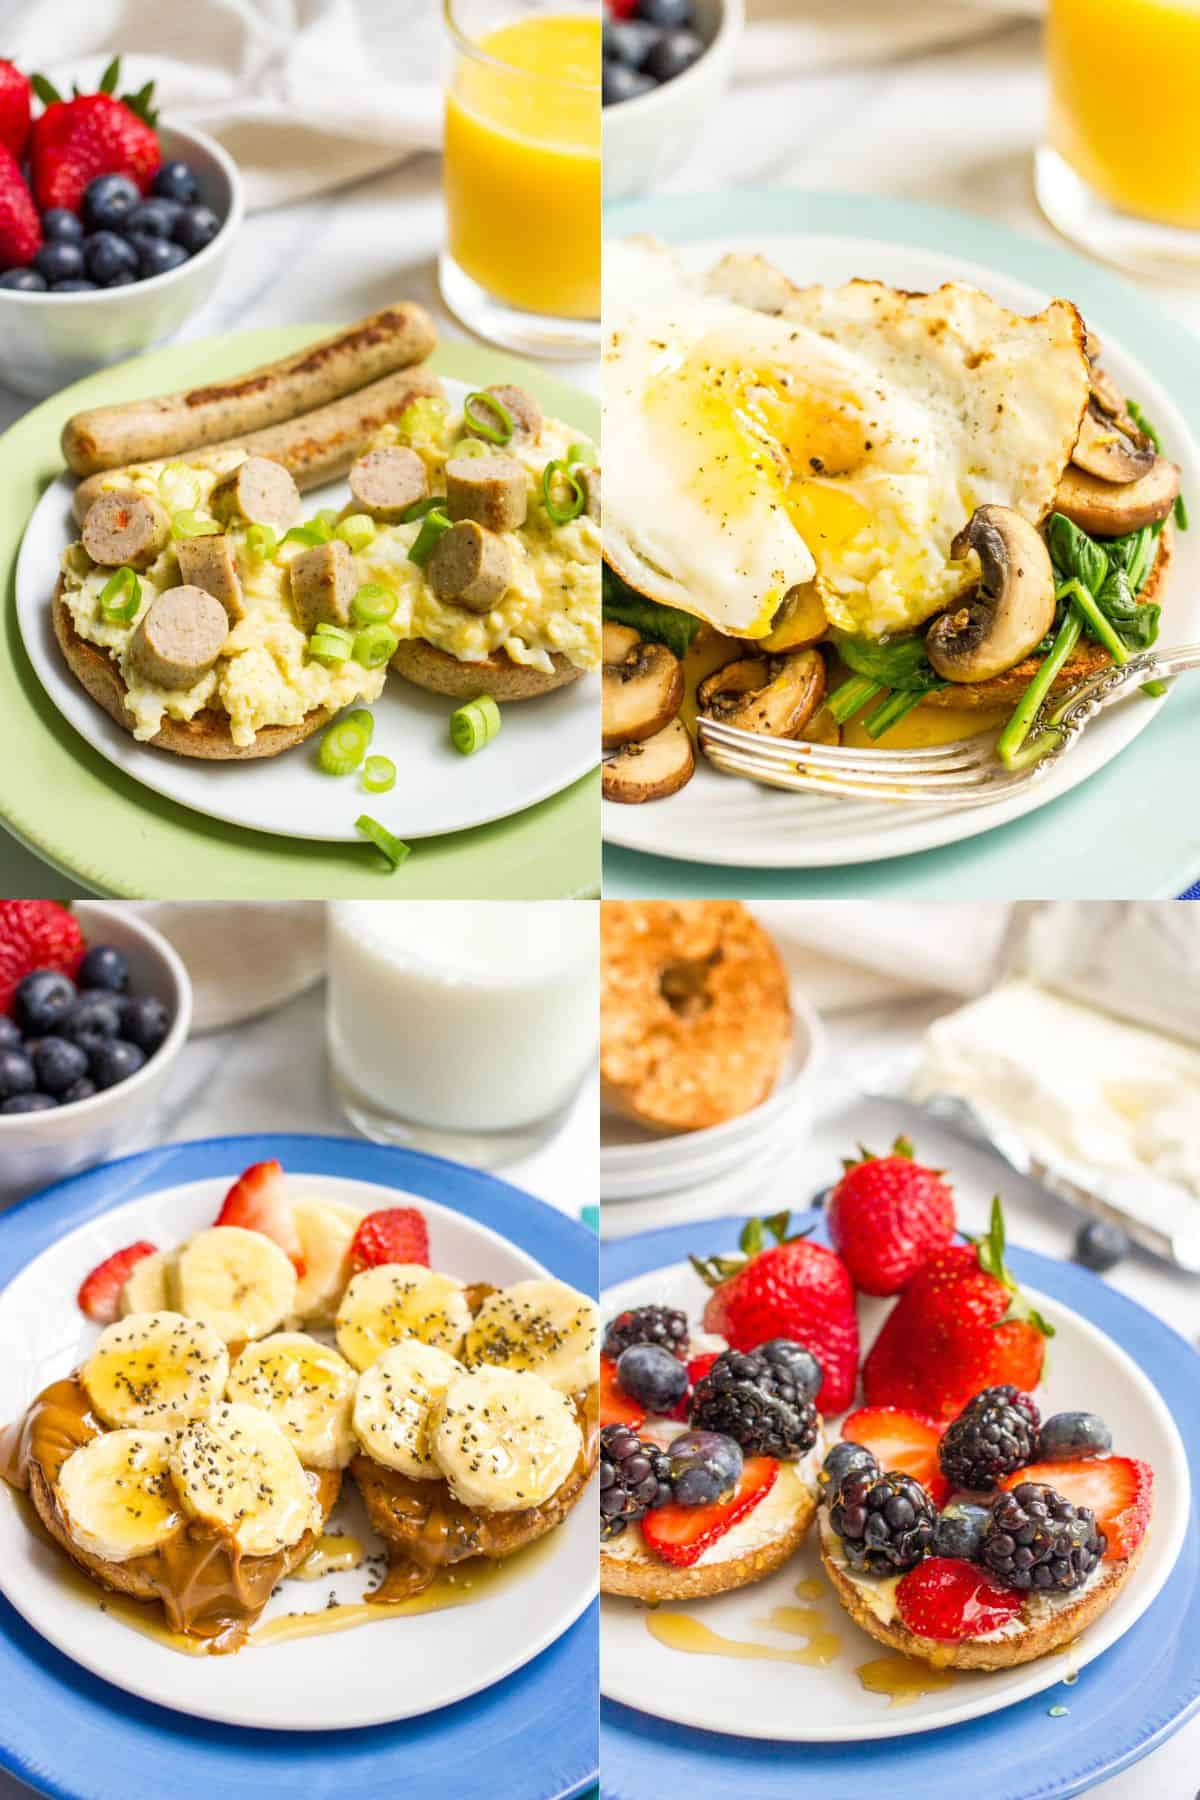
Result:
x=661 y=1325
x=1037 y=1540
x=844 y=1459
x=885 y=1522
x=634 y=1478
x=754 y=1396
x=1009 y=1395
x=985 y=1443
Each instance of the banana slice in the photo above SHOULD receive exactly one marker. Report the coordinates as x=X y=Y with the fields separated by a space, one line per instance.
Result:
x=155 y=1370
x=146 y=1290
x=504 y=1439
x=307 y=1388
x=392 y=1405
x=326 y=1229
x=394 y=1301
x=237 y=1472
x=116 y=1496
x=540 y=1325
x=239 y=1282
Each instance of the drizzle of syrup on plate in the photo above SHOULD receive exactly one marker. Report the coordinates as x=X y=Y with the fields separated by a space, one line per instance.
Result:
x=902 y=1679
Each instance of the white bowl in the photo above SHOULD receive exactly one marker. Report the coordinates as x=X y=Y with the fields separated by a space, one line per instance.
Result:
x=40 y=1147
x=644 y=139
x=49 y=340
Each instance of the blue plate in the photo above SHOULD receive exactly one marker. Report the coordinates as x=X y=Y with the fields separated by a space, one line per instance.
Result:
x=530 y=1737
x=1124 y=1705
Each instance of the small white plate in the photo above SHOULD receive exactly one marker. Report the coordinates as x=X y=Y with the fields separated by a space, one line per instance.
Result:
x=799 y=1703
x=392 y=1669
x=543 y=745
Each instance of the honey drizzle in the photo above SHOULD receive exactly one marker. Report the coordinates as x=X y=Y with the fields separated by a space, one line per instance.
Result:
x=902 y=1679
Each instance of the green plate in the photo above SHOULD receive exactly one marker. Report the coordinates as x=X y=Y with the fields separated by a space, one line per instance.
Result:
x=84 y=817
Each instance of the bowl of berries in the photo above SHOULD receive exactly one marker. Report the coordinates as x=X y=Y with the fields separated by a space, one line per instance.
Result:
x=113 y=227
x=95 y=1006
x=666 y=63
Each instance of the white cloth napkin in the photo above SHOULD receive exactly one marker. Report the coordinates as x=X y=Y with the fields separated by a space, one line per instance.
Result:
x=850 y=953
x=801 y=37
x=243 y=958
x=306 y=95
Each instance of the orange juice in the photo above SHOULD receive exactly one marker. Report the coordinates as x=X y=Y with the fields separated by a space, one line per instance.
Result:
x=522 y=164
x=1123 y=83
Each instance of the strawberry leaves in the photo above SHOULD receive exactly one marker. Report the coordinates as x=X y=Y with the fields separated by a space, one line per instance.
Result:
x=713 y=1270
x=990 y=1250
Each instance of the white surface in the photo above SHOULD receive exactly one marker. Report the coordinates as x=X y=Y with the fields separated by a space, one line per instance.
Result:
x=540 y=749
x=828 y=1705
x=411 y=1665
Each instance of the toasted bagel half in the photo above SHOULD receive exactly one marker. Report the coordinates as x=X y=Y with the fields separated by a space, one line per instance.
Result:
x=647 y=1577
x=498 y=675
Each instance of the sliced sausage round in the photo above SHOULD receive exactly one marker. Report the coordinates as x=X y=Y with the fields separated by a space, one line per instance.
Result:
x=590 y=477
x=323 y=584
x=125 y=529
x=470 y=567
x=259 y=491
x=489 y=489
x=179 y=638
x=521 y=408
x=209 y=563
x=385 y=483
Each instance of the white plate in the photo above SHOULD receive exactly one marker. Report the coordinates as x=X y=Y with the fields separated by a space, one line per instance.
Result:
x=722 y=819
x=543 y=745
x=364 y=1676
x=798 y=1703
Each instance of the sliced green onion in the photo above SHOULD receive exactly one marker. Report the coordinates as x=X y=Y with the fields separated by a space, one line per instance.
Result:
x=120 y=597
x=261 y=542
x=326 y=520
x=432 y=527
x=499 y=432
x=420 y=508
x=393 y=848
x=329 y=643
x=474 y=724
x=312 y=535
x=471 y=446
x=342 y=748
x=357 y=530
x=562 y=515
x=191 y=525
x=583 y=452
x=363 y=721
x=379 y=774
x=1181 y=513
x=374 y=646
x=373 y=604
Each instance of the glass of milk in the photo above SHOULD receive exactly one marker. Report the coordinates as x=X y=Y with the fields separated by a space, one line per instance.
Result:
x=461 y=1027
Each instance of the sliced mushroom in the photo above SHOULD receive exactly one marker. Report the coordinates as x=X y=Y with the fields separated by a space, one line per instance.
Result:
x=800 y=620
x=1010 y=611
x=822 y=728
x=1109 y=398
x=1105 y=449
x=651 y=770
x=1108 y=511
x=642 y=690
x=776 y=695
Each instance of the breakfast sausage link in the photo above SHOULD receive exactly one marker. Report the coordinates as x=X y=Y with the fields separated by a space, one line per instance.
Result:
x=323 y=584
x=209 y=563
x=125 y=528
x=107 y=437
x=470 y=567
x=317 y=447
x=179 y=638
x=385 y=483
x=489 y=489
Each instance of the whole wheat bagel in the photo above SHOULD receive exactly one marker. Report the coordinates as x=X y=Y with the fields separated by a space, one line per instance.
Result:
x=498 y=675
x=647 y=1577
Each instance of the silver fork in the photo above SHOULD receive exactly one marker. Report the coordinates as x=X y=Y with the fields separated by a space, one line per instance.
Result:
x=964 y=773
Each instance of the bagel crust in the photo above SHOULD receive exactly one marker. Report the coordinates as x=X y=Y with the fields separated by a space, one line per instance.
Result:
x=498 y=675
x=654 y=1580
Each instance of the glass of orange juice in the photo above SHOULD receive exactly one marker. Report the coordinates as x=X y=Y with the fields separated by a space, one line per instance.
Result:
x=1120 y=172
x=521 y=263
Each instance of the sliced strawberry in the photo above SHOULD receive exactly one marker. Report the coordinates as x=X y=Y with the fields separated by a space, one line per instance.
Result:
x=258 y=1201
x=616 y=1408
x=698 y=1366
x=396 y=1234
x=947 y=1599
x=100 y=1292
x=681 y=1534
x=1118 y=1490
x=901 y=1440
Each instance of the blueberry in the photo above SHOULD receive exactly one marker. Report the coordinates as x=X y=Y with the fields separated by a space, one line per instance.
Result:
x=73 y=287
x=1101 y=1245
x=674 y=53
x=22 y=1103
x=106 y=256
x=83 y=1089
x=59 y=261
x=24 y=281
x=622 y=83
x=653 y=1376
x=799 y=1362
x=195 y=227
x=57 y=1063
x=628 y=41
x=93 y=1018
x=959 y=1530
x=1066 y=1437
x=843 y=1459
x=175 y=181
x=667 y=14
x=705 y=1466
x=153 y=218
x=156 y=255
x=124 y=279
x=42 y=1000
x=107 y=201
x=113 y=1061
x=104 y=968
x=61 y=225
x=16 y=1074
x=10 y=1033
x=145 y=1022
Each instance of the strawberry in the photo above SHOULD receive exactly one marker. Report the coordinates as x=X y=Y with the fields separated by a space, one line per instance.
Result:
x=257 y=1202
x=20 y=227
x=793 y=1289
x=887 y=1215
x=395 y=1234
x=35 y=934
x=100 y=1292
x=14 y=109
x=960 y=1325
x=1118 y=1490
x=698 y=1366
x=947 y=1599
x=75 y=140
x=681 y=1534
x=903 y=1441
x=616 y=1407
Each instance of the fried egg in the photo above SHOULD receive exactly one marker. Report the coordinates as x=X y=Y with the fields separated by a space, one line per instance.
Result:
x=760 y=436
